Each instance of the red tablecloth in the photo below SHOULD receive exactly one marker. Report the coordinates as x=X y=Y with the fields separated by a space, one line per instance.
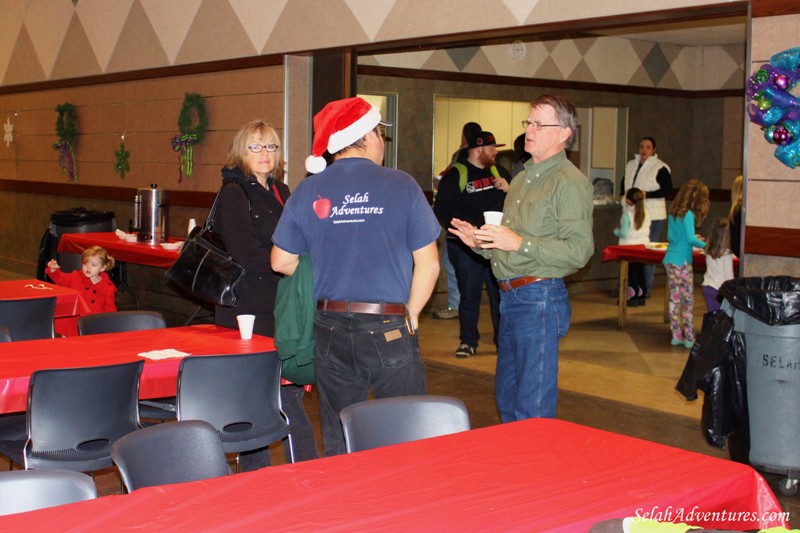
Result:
x=539 y=475
x=69 y=303
x=638 y=253
x=18 y=360
x=138 y=253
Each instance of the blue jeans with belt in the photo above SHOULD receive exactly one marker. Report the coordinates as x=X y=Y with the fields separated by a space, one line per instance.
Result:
x=357 y=353
x=532 y=320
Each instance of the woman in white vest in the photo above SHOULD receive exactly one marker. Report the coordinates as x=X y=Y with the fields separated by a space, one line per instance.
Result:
x=648 y=173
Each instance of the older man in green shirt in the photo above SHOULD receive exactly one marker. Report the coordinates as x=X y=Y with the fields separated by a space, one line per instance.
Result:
x=546 y=235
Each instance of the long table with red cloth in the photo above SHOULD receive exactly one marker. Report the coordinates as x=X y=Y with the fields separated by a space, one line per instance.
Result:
x=540 y=475
x=70 y=304
x=138 y=253
x=640 y=253
x=18 y=360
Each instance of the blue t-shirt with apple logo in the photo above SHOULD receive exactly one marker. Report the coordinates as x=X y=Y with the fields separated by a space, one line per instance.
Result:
x=360 y=222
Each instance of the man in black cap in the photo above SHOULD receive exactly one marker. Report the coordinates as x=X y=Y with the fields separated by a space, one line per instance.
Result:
x=466 y=191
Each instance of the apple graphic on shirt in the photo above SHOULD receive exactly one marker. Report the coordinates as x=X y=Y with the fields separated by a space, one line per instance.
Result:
x=322 y=207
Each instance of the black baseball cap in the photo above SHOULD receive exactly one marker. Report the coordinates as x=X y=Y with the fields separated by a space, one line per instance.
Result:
x=484 y=138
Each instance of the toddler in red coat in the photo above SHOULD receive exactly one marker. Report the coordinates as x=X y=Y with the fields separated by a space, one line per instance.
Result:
x=91 y=280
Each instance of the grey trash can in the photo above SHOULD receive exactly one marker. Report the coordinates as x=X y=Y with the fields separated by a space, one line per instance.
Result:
x=766 y=311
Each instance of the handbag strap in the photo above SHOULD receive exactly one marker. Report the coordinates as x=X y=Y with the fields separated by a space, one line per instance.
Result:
x=210 y=218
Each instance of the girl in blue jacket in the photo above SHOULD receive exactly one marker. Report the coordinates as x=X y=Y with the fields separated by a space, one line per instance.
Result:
x=686 y=212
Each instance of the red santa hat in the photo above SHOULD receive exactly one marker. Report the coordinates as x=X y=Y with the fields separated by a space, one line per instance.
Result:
x=338 y=125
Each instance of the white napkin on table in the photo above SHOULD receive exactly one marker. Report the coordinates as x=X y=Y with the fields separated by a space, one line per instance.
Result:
x=121 y=234
x=167 y=353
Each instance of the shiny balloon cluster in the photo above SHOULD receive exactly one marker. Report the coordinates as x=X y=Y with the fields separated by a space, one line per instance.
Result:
x=774 y=108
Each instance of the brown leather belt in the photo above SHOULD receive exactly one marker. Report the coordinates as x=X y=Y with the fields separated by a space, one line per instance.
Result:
x=367 y=308
x=516 y=283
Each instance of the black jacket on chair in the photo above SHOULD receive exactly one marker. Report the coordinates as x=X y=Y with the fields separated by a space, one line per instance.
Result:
x=246 y=225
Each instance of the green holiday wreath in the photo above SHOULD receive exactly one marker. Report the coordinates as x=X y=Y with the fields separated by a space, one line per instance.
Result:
x=66 y=130
x=189 y=134
x=193 y=101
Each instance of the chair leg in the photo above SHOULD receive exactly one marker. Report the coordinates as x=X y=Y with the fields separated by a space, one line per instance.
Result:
x=291 y=447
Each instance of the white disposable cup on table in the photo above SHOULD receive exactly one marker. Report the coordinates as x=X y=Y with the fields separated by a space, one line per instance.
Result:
x=246 y=325
x=192 y=225
x=493 y=217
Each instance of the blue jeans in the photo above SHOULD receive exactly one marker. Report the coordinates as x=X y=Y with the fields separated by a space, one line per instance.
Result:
x=472 y=273
x=453 y=296
x=656 y=227
x=303 y=440
x=532 y=320
x=356 y=354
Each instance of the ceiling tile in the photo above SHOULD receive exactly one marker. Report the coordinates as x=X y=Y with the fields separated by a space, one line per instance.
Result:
x=47 y=22
x=521 y=9
x=10 y=24
x=76 y=57
x=170 y=22
x=258 y=19
x=216 y=33
x=566 y=57
x=23 y=66
x=138 y=46
x=370 y=14
x=102 y=21
x=625 y=64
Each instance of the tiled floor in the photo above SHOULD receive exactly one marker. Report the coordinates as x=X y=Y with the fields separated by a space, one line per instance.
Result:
x=621 y=381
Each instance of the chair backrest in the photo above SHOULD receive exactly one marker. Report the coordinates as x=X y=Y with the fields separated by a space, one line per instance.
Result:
x=5 y=334
x=27 y=490
x=119 y=321
x=169 y=453
x=75 y=414
x=237 y=394
x=30 y=318
x=386 y=421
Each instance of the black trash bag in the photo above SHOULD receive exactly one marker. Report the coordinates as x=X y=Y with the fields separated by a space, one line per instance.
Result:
x=716 y=365
x=80 y=216
x=774 y=300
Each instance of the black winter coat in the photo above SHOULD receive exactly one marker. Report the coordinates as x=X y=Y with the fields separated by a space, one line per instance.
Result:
x=248 y=238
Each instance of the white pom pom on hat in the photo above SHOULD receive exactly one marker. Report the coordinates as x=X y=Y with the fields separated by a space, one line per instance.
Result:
x=315 y=164
x=338 y=125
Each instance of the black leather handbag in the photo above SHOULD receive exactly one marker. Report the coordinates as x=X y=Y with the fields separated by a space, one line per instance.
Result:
x=205 y=268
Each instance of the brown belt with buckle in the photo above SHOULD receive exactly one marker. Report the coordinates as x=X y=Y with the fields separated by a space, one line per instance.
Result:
x=516 y=283
x=367 y=308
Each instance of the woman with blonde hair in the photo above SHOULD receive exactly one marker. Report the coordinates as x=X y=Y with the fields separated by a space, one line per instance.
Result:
x=250 y=204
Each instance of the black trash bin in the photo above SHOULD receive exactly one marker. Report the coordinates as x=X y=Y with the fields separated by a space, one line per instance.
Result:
x=75 y=220
x=766 y=311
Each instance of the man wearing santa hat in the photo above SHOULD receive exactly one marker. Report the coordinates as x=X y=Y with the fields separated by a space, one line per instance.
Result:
x=371 y=236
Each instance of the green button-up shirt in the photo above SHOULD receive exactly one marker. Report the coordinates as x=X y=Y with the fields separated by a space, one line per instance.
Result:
x=550 y=206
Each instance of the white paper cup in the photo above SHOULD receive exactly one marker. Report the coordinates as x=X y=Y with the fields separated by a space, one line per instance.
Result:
x=246 y=325
x=192 y=225
x=493 y=217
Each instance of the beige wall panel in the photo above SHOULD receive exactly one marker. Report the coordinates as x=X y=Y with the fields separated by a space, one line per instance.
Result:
x=765 y=265
x=772 y=204
x=8 y=170
x=766 y=41
x=103 y=118
x=153 y=116
x=231 y=112
x=254 y=80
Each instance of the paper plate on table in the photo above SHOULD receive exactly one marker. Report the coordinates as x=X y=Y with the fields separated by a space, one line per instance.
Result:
x=656 y=246
x=171 y=245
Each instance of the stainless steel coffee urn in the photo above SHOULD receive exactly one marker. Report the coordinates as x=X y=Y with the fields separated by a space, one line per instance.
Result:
x=151 y=214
